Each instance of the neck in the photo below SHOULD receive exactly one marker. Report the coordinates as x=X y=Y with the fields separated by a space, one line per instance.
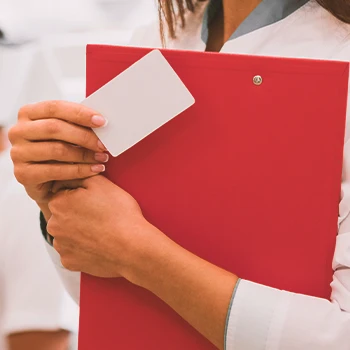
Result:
x=227 y=21
x=234 y=13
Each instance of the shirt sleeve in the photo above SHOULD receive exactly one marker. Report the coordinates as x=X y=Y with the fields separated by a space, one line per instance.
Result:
x=32 y=294
x=70 y=279
x=263 y=318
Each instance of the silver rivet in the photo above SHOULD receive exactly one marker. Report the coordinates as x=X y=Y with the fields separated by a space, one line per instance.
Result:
x=258 y=80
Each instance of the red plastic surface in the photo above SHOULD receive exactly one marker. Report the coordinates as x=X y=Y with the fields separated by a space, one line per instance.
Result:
x=248 y=178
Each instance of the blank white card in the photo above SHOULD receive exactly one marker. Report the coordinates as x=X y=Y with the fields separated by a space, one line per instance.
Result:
x=138 y=101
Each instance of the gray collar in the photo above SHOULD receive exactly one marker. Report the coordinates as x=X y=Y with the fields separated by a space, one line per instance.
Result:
x=267 y=12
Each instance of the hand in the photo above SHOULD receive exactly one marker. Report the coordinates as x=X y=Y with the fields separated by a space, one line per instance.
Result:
x=44 y=146
x=98 y=228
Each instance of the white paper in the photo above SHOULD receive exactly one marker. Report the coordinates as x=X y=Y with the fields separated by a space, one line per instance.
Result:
x=138 y=101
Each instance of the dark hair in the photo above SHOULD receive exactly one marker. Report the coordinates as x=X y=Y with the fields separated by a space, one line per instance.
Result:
x=168 y=15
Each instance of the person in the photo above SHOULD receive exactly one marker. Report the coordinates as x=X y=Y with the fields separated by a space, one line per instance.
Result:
x=104 y=232
x=3 y=139
x=35 y=310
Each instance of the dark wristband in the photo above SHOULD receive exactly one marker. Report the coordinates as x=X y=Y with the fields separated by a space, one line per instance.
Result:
x=43 y=225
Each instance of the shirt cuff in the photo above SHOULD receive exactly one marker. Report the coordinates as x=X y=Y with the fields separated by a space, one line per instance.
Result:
x=229 y=310
x=41 y=320
x=70 y=279
x=253 y=323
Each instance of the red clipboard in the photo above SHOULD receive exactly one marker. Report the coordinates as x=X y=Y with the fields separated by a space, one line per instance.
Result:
x=248 y=179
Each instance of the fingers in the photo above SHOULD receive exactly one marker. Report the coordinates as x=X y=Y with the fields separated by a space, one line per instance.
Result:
x=36 y=174
x=56 y=151
x=67 y=111
x=87 y=183
x=55 y=129
x=66 y=185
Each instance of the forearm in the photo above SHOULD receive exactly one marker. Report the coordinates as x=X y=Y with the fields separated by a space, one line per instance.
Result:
x=197 y=290
x=57 y=340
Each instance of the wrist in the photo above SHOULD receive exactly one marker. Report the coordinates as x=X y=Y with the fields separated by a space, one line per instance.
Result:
x=45 y=210
x=147 y=255
x=161 y=260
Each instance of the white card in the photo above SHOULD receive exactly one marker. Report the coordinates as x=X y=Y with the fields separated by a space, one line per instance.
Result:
x=138 y=101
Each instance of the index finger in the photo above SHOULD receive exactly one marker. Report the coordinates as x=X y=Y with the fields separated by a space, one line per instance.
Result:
x=68 y=111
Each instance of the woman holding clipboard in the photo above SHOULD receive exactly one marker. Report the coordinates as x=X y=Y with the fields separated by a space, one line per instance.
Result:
x=107 y=236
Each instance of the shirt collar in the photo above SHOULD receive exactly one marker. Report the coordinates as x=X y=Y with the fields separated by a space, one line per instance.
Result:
x=266 y=13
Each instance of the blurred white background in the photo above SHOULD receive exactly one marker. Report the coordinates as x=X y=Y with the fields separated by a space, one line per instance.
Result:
x=23 y=19
x=42 y=55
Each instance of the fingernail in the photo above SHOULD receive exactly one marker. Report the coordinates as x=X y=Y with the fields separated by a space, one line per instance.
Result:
x=101 y=157
x=98 y=168
x=98 y=120
x=101 y=146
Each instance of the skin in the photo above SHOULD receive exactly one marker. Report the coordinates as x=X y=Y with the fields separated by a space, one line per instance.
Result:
x=39 y=341
x=107 y=235
x=3 y=139
x=227 y=21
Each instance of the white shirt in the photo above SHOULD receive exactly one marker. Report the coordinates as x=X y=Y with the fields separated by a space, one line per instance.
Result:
x=32 y=297
x=263 y=318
